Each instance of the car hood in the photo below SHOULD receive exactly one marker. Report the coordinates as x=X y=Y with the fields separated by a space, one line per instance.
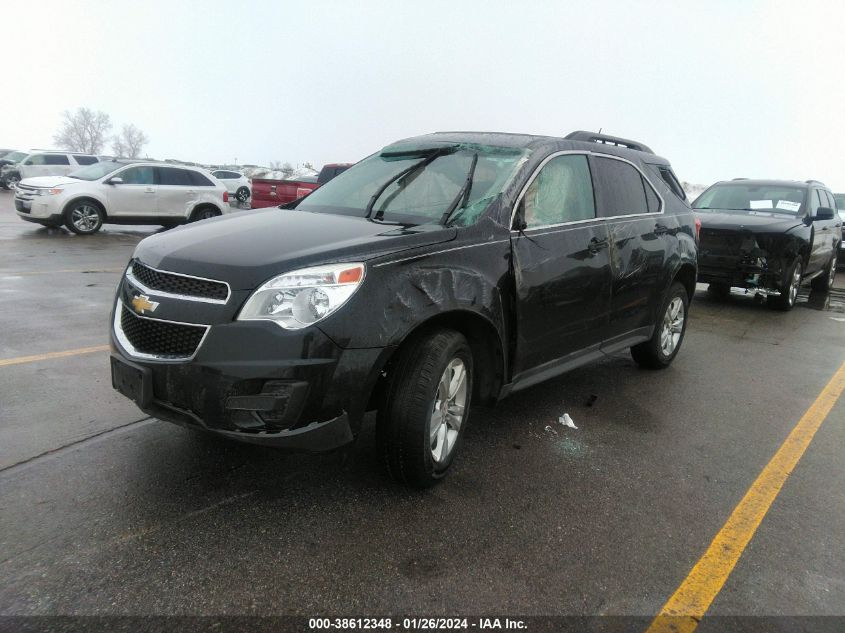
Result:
x=50 y=181
x=247 y=248
x=755 y=222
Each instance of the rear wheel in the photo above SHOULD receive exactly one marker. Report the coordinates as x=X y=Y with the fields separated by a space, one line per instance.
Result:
x=789 y=290
x=825 y=282
x=422 y=420
x=242 y=194
x=204 y=213
x=660 y=350
x=84 y=217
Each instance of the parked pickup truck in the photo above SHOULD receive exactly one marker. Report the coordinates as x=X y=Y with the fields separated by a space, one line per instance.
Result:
x=268 y=192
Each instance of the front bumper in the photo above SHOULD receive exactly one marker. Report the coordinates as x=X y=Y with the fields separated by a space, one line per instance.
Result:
x=255 y=382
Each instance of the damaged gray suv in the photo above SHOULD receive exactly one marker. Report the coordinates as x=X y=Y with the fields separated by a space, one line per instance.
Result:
x=443 y=271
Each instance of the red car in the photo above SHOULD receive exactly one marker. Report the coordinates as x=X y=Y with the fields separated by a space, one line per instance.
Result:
x=271 y=193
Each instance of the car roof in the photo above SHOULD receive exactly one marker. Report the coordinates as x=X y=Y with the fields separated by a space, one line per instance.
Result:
x=535 y=141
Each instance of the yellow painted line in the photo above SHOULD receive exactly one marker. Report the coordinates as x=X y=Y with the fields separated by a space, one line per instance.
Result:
x=687 y=606
x=71 y=352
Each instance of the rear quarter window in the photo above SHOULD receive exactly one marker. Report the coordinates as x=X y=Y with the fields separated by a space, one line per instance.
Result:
x=85 y=160
x=199 y=180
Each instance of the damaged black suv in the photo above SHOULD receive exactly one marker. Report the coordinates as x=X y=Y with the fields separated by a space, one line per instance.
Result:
x=444 y=270
x=769 y=237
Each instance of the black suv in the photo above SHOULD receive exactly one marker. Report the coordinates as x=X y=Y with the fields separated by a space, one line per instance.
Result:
x=768 y=236
x=445 y=269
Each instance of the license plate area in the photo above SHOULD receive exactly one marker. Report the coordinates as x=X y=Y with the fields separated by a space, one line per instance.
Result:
x=133 y=381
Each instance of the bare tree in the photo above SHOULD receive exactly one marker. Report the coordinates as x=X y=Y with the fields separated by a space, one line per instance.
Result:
x=276 y=165
x=83 y=131
x=129 y=142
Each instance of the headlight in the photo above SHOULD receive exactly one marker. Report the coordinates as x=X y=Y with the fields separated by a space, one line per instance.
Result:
x=49 y=192
x=297 y=299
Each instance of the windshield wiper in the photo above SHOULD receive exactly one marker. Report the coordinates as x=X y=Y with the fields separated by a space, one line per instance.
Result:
x=463 y=194
x=420 y=164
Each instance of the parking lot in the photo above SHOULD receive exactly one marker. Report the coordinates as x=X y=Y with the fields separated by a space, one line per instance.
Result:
x=106 y=511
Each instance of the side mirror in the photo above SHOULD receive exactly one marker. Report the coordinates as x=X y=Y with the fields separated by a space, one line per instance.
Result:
x=824 y=213
x=117 y=180
x=519 y=223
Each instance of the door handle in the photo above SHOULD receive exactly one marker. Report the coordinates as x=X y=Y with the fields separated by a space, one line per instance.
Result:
x=596 y=245
x=660 y=229
x=149 y=190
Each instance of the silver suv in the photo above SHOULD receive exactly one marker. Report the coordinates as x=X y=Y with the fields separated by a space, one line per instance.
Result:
x=42 y=163
x=121 y=192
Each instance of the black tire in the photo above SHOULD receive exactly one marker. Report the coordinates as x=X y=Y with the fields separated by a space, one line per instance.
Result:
x=11 y=181
x=719 y=290
x=242 y=194
x=789 y=288
x=658 y=352
x=406 y=443
x=204 y=213
x=824 y=282
x=84 y=216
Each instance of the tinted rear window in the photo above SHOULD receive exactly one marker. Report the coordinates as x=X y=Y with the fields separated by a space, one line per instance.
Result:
x=175 y=177
x=85 y=160
x=622 y=188
x=198 y=179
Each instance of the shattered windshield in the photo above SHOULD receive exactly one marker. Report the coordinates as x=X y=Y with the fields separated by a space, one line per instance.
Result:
x=750 y=197
x=15 y=157
x=451 y=184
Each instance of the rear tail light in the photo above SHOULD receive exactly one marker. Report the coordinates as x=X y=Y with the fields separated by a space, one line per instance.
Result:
x=697 y=229
x=226 y=197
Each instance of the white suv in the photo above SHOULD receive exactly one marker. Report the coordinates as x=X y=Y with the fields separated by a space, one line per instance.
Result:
x=43 y=163
x=237 y=184
x=122 y=192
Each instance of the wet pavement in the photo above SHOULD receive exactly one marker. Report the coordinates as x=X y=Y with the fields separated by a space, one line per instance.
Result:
x=106 y=511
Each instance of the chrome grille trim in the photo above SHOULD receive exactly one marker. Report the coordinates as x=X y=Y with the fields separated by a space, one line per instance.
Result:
x=163 y=293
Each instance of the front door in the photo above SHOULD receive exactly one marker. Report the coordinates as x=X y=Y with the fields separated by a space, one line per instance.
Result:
x=136 y=195
x=561 y=265
x=822 y=249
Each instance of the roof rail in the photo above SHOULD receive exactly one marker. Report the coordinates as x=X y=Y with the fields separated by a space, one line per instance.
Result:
x=739 y=178
x=606 y=139
x=815 y=182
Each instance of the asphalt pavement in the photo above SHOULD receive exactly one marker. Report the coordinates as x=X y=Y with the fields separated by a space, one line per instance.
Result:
x=104 y=511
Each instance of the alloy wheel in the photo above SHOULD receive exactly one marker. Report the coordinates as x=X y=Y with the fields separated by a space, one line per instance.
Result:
x=448 y=412
x=795 y=284
x=832 y=274
x=85 y=218
x=673 y=326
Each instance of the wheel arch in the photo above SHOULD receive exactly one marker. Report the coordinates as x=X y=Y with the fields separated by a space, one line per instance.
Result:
x=484 y=341
x=89 y=198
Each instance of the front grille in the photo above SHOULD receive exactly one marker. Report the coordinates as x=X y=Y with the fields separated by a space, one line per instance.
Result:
x=721 y=242
x=160 y=338
x=176 y=284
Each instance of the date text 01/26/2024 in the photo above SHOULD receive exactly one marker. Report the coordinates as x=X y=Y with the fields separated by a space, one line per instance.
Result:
x=415 y=624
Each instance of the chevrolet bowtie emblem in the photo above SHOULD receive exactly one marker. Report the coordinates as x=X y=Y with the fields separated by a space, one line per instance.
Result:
x=142 y=304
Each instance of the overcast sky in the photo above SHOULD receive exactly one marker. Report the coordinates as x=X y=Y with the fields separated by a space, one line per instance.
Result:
x=723 y=89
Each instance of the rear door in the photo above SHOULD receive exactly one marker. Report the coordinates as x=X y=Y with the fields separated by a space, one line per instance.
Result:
x=176 y=191
x=640 y=236
x=136 y=195
x=561 y=265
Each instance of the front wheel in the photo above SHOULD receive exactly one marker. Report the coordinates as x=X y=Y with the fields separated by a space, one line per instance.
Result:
x=12 y=181
x=84 y=217
x=825 y=282
x=789 y=291
x=422 y=420
x=660 y=350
